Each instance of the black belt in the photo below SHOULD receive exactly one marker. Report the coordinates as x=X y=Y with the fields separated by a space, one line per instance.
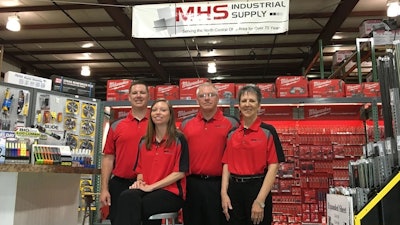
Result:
x=123 y=179
x=205 y=177
x=246 y=178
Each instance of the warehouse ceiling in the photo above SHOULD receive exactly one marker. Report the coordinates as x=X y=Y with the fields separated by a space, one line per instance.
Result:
x=53 y=32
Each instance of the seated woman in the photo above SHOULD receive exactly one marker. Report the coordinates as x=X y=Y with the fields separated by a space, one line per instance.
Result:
x=162 y=165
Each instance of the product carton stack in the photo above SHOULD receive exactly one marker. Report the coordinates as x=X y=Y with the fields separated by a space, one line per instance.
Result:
x=169 y=92
x=225 y=90
x=267 y=90
x=118 y=90
x=354 y=90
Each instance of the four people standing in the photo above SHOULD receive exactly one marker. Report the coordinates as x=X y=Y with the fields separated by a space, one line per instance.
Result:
x=248 y=160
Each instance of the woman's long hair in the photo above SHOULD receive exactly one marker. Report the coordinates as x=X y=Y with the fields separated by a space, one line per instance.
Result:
x=172 y=132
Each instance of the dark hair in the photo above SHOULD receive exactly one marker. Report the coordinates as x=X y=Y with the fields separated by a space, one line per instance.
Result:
x=171 y=130
x=138 y=82
x=250 y=89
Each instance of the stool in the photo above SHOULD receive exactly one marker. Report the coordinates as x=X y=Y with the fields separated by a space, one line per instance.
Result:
x=167 y=216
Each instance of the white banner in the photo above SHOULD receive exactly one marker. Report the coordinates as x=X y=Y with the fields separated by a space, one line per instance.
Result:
x=210 y=18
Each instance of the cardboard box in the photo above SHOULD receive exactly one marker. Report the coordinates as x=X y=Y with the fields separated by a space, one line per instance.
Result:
x=169 y=92
x=291 y=87
x=188 y=87
x=340 y=56
x=239 y=86
x=152 y=92
x=326 y=88
x=371 y=89
x=367 y=27
x=353 y=90
x=118 y=90
x=268 y=90
x=384 y=37
x=225 y=90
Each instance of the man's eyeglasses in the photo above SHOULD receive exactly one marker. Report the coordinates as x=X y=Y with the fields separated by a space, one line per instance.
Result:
x=210 y=95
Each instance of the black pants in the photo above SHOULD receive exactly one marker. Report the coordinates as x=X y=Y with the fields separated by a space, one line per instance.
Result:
x=136 y=206
x=203 y=202
x=116 y=186
x=242 y=196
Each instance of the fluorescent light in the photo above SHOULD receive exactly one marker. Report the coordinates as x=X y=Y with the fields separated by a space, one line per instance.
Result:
x=212 y=68
x=13 y=24
x=87 y=45
x=85 y=71
x=393 y=9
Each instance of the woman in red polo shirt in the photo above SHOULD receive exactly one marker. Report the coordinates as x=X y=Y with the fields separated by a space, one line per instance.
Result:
x=250 y=163
x=162 y=164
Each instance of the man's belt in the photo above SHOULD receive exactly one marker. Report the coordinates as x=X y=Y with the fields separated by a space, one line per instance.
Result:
x=246 y=178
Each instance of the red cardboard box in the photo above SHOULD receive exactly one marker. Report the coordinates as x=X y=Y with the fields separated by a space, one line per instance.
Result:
x=353 y=90
x=371 y=89
x=183 y=113
x=169 y=92
x=326 y=88
x=239 y=86
x=188 y=87
x=267 y=90
x=152 y=92
x=225 y=90
x=118 y=90
x=291 y=87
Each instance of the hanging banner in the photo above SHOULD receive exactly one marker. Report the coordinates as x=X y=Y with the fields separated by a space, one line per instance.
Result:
x=210 y=18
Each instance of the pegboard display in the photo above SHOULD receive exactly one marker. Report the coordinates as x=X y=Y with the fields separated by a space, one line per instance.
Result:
x=71 y=118
x=15 y=106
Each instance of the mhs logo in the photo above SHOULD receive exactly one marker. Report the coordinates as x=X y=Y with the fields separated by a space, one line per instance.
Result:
x=216 y=12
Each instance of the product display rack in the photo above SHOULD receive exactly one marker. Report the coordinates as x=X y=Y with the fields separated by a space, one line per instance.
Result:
x=297 y=108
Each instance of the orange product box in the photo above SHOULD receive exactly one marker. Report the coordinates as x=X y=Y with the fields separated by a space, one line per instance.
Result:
x=267 y=90
x=225 y=90
x=152 y=92
x=326 y=88
x=169 y=92
x=353 y=90
x=291 y=87
x=239 y=86
x=371 y=89
x=188 y=87
x=118 y=90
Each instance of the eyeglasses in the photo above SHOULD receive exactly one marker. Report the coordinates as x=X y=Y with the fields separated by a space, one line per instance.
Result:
x=210 y=95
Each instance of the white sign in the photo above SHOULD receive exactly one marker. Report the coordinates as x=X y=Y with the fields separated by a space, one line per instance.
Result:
x=210 y=18
x=27 y=80
x=339 y=210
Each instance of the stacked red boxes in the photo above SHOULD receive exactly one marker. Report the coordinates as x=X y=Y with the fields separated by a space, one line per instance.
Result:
x=291 y=87
x=354 y=90
x=188 y=87
x=225 y=90
x=326 y=88
x=371 y=89
x=118 y=90
x=267 y=90
x=169 y=92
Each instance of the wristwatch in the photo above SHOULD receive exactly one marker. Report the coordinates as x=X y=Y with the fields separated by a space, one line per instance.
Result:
x=261 y=204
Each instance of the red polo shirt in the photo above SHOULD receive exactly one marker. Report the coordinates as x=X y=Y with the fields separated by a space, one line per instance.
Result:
x=207 y=141
x=250 y=151
x=160 y=161
x=122 y=141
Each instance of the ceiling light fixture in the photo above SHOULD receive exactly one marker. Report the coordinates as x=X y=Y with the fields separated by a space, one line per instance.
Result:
x=393 y=9
x=212 y=67
x=85 y=71
x=13 y=23
x=87 y=45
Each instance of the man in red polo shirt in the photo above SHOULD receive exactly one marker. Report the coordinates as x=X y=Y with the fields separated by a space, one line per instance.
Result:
x=120 y=149
x=206 y=134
